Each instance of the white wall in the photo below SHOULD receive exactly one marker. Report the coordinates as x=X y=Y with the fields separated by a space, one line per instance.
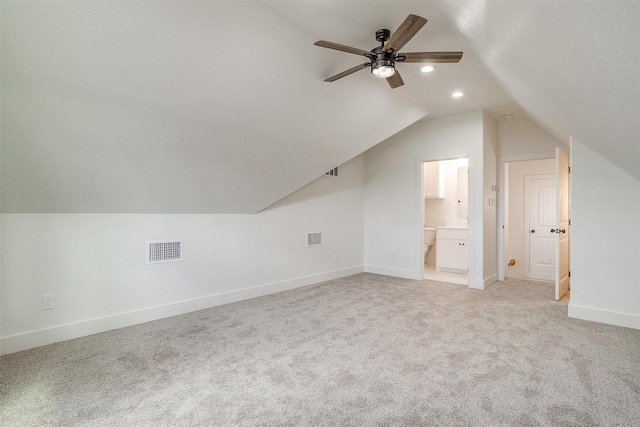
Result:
x=605 y=240
x=515 y=190
x=519 y=136
x=393 y=194
x=95 y=263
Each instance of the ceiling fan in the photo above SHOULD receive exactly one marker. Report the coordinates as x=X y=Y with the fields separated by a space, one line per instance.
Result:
x=383 y=59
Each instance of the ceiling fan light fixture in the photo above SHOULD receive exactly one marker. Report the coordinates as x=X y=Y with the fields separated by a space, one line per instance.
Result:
x=383 y=65
x=383 y=71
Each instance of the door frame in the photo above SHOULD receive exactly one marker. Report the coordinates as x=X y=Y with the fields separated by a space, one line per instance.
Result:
x=502 y=211
x=421 y=213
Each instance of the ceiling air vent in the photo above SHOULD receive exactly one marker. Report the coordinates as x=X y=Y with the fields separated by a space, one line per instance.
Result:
x=314 y=239
x=164 y=251
x=333 y=172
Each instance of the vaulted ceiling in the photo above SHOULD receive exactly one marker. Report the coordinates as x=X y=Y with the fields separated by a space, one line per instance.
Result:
x=220 y=107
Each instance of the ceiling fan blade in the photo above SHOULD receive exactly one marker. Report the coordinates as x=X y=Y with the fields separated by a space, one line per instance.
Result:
x=395 y=80
x=432 y=57
x=342 y=48
x=347 y=72
x=405 y=32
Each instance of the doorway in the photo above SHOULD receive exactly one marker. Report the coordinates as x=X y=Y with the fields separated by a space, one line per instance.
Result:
x=535 y=221
x=446 y=220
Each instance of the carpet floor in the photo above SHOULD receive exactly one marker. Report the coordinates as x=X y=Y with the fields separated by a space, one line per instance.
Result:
x=366 y=350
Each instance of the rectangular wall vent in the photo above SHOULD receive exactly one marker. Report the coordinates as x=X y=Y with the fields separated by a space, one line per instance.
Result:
x=164 y=251
x=333 y=172
x=314 y=239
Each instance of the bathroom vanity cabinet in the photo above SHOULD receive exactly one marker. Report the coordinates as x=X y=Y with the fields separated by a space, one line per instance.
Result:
x=451 y=249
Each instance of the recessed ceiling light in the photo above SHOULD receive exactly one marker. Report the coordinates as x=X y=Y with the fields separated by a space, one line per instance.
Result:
x=457 y=94
x=426 y=69
x=507 y=116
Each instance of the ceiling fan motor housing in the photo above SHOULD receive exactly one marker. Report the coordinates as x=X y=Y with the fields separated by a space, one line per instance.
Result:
x=383 y=35
x=382 y=58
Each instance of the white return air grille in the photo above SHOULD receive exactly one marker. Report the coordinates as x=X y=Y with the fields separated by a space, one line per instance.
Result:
x=164 y=251
x=314 y=239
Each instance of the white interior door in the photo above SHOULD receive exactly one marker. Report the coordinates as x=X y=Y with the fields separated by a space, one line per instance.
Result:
x=540 y=223
x=562 y=229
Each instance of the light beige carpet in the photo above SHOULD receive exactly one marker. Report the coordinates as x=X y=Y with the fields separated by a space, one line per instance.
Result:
x=361 y=351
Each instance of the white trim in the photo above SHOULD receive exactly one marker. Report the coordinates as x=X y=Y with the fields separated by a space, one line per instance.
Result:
x=525 y=157
x=490 y=280
x=626 y=320
x=393 y=272
x=420 y=213
x=483 y=284
x=25 y=341
x=476 y=284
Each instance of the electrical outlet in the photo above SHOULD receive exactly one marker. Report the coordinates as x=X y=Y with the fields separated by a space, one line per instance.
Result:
x=393 y=257
x=337 y=258
x=48 y=302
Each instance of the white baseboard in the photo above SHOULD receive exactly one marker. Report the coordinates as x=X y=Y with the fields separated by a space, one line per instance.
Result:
x=490 y=280
x=476 y=284
x=25 y=341
x=483 y=284
x=627 y=320
x=393 y=272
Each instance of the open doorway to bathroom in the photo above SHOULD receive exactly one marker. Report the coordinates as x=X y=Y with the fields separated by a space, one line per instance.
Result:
x=446 y=220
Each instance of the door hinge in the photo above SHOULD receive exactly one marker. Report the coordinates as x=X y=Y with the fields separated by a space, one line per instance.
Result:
x=569 y=273
x=569 y=222
x=569 y=169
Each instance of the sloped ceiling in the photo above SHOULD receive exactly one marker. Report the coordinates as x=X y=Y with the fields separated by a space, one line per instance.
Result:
x=573 y=66
x=220 y=107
